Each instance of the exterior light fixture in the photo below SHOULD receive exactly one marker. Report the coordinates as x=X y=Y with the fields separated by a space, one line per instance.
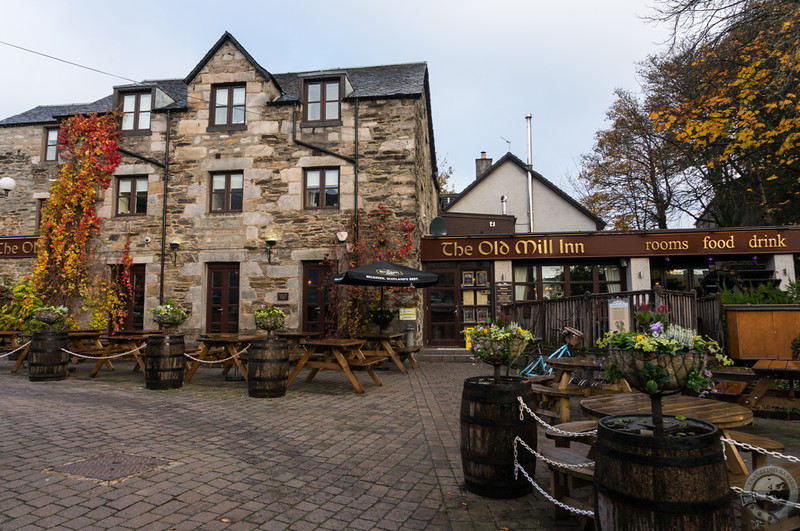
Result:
x=6 y=185
x=174 y=246
x=271 y=241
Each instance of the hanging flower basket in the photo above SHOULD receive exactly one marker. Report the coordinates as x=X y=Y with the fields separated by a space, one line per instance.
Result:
x=169 y=315
x=382 y=318
x=678 y=366
x=269 y=318
x=50 y=314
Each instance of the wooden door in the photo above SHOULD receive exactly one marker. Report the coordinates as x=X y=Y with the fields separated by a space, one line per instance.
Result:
x=316 y=313
x=222 y=316
x=444 y=325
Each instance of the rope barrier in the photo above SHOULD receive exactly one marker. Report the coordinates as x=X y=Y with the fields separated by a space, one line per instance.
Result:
x=109 y=357
x=211 y=362
x=15 y=350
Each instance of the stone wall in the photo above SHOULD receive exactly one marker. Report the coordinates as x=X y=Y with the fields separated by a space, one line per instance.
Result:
x=394 y=170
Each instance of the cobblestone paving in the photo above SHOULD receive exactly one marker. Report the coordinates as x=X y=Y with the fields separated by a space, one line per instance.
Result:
x=322 y=457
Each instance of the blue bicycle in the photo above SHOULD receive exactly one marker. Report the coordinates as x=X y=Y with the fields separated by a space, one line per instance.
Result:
x=538 y=367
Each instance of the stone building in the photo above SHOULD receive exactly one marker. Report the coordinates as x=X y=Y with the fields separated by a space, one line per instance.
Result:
x=235 y=181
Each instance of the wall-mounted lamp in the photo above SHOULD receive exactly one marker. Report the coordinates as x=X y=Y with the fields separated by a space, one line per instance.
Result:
x=6 y=185
x=270 y=244
x=623 y=262
x=341 y=236
x=174 y=246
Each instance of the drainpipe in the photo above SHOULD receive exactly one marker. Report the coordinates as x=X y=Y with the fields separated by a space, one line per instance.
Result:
x=528 y=118
x=164 y=210
x=351 y=160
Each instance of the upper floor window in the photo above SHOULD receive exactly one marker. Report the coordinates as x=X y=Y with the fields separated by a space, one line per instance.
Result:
x=227 y=106
x=132 y=196
x=51 y=144
x=227 y=192
x=322 y=100
x=322 y=188
x=136 y=109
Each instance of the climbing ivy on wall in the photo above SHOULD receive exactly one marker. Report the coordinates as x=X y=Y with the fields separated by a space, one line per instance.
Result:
x=88 y=147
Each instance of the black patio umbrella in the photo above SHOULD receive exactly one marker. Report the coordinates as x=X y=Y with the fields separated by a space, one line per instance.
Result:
x=383 y=273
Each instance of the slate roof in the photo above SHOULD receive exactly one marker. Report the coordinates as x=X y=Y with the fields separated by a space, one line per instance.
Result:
x=385 y=81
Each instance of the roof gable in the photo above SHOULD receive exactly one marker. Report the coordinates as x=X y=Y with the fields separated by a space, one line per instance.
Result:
x=510 y=158
x=225 y=39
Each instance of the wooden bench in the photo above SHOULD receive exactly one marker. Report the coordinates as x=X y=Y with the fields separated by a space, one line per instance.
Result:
x=564 y=480
x=357 y=363
x=564 y=441
x=759 y=459
x=558 y=398
x=544 y=379
x=728 y=390
x=410 y=353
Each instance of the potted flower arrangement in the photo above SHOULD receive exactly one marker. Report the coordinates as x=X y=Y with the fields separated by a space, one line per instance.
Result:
x=381 y=317
x=498 y=343
x=50 y=315
x=168 y=314
x=663 y=358
x=269 y=318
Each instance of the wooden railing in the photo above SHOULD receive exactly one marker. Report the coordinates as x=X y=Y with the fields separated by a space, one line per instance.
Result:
x=589 y=313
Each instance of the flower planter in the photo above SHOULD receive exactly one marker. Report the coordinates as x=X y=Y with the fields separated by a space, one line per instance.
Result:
x=46 y=359
x=490 y=420
x=164 y=362
x=267 y=368
x=631 y=364
x=678 y=481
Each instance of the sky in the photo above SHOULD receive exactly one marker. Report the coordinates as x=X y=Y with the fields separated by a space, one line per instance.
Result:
x=490 y=63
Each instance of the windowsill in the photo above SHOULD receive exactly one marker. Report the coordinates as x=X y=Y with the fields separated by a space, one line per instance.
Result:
x=139 y=132
x=235 y=127
x=130 y=215
x=218 y=212
x=312 y=125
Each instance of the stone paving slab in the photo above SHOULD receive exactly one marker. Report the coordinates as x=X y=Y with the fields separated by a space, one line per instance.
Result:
x=322 y=457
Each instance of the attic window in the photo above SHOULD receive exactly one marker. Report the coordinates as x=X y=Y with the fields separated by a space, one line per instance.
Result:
x=227 y=106
x=322 y=101
x=136 y=107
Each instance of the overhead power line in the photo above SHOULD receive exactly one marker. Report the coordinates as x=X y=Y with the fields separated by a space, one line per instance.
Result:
x=68 y=62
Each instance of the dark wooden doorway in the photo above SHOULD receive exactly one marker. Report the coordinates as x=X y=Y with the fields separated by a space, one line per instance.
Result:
x=222 y=316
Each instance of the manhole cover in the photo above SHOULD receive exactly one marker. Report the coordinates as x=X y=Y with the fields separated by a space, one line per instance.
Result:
x=110 y=468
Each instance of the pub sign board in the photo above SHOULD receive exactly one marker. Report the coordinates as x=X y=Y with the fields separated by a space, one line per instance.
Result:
x=768 y=240
x=24 y=247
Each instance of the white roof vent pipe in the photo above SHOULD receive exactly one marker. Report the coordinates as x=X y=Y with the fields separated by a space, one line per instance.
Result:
x=528 y=118
x=504 y=205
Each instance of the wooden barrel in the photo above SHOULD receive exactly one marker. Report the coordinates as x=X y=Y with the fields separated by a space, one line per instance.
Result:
x=164 y=362
x=662 y=483
x=267 y=368
x=46 y=359
x=490 y=421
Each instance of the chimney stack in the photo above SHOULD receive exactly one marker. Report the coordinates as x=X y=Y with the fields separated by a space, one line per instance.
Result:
x=482 y=164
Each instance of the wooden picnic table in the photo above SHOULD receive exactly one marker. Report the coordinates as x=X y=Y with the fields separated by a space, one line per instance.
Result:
x=387 y=345
x=723 y=415
x=338 y=355
x=295 y=339
x=226 y=349
x=9 y=341
x=132 y=345
x=769 y=373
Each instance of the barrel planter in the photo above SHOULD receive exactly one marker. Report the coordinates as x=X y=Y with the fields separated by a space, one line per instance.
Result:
x=677 y=481
x=490 y=421
x=267 y=368
x=46 y=359
x=164 y=362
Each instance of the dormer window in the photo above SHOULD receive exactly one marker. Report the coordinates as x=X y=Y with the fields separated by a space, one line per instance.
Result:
x=227 y=107
x=322 y=100
x=136 y=107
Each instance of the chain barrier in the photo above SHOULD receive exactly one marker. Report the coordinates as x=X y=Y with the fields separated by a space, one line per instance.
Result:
x=751 y=448
x=15 y=350
x=569 y=508
x=109 y=357
x=211 y=362
x=524 y=407
x=559 y=464
x=763 y=496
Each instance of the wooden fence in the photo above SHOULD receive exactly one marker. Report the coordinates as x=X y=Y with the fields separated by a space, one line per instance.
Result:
x=589 y=313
